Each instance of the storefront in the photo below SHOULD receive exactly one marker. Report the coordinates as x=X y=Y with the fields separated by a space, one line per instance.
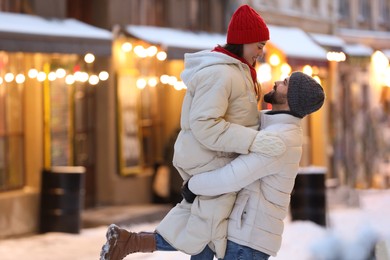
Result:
x=49 y=73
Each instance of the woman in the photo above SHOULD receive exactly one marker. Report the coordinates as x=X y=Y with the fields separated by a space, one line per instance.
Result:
x=219 y=121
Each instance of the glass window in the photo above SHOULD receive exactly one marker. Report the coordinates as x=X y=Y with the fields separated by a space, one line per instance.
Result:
x=11 y=125
x=364 y=11
x=343 y=9
x=384 y=12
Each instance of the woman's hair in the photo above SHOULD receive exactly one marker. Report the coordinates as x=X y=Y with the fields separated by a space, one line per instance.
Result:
x=237 y=49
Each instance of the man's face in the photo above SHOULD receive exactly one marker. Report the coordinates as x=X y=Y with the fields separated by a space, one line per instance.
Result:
x=278 y=95
x=252 y=51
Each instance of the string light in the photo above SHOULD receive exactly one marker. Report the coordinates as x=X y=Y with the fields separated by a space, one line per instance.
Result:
x=32 y=73
x=20 y=78
x=308 y=70
x=161 y=55
x=52 y=76
x=127 y=46
x=141 y=83
x=274 y=60
x=103 y=75
x=60 y=73
x=89 y=58
x=9 y=77
x=93 y=80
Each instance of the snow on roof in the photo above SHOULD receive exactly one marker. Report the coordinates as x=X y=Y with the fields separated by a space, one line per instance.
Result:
x=176 y=38
x=357 y=50
x=327 y=40
x=363 y=33
x=292 y=41
x=30 y=24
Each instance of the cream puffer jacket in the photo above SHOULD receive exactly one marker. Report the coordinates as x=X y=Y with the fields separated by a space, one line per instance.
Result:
x=264 y=185
x=219 y=121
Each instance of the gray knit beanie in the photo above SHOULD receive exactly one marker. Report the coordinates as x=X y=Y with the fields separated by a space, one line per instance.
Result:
x=304 y=94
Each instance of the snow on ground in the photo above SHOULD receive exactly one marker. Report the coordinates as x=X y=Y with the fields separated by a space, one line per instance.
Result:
x=351 y=235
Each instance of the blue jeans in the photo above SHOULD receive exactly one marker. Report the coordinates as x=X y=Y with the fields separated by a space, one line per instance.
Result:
x=234 y=251
x=163 y=245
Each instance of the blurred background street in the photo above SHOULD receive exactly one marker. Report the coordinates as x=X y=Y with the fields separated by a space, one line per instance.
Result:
x=90 y=104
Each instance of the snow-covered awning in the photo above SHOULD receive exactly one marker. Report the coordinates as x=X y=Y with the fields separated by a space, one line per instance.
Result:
x=375 y=39
x=358 y=50
x=168 y=37
x=293 y=42
x=176 y=42
x=29 y=33
x=328 y=41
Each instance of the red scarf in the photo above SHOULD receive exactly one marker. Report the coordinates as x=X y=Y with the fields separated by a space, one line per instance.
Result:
x=252 y=69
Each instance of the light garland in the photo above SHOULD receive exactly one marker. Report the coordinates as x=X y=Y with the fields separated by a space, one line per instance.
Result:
x=40 y=76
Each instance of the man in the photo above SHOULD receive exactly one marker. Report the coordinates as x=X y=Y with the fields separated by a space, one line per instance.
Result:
x=264 y=183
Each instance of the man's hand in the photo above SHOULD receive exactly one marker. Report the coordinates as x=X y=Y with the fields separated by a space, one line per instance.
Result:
x=187 y=194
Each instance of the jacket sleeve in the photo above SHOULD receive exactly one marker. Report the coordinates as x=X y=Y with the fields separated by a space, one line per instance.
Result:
x=207 y=116
x=240 y=172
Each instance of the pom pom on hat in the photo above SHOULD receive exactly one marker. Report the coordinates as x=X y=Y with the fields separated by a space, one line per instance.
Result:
x=304 y=95
x=247 y=26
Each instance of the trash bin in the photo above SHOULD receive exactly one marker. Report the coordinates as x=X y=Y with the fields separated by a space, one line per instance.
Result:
x=62 y=198
x=308 y=198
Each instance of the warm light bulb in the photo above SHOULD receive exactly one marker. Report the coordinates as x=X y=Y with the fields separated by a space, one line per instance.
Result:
x=274 y=60
x=9 y=77
x=20 y=78
x=161 y=55
x=93 y=80
x=140 y=51
x=141 y=83
x=103 y=75
x=70 y=79
x=32 y=73
x=41 y=76
x=151 y=51
x=89 y=58
x=285 y=69
x=152 y=82
x=60 y=73
x=308 y=70
x=127 y=46
x=52 y=76
x=164 y=79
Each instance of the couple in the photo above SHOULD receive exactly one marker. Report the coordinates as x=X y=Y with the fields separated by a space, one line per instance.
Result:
x=243 y=177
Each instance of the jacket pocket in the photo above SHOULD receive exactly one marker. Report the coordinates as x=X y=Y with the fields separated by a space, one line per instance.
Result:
x=239 y=208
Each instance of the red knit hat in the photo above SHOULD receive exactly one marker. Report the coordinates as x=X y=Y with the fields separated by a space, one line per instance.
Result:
x=247 y=26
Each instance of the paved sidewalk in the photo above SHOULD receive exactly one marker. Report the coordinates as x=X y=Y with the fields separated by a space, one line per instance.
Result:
x=124 y=215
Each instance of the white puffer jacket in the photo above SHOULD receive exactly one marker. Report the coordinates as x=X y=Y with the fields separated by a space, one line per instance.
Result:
x=219 y=113
x=219 y=121
x=264 y=185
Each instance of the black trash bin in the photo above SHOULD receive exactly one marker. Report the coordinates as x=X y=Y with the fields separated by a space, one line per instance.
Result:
x=308 y=199
x=62 y=199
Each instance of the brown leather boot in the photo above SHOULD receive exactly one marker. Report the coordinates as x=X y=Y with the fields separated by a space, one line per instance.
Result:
x=120 y=243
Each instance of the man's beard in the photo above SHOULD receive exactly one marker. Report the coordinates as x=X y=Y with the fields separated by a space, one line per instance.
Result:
x=270 y=97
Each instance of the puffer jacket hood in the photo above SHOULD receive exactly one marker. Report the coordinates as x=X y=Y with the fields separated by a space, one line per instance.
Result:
x=194 y=62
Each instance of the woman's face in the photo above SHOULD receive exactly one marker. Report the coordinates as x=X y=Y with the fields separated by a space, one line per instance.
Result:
x=252 y=51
